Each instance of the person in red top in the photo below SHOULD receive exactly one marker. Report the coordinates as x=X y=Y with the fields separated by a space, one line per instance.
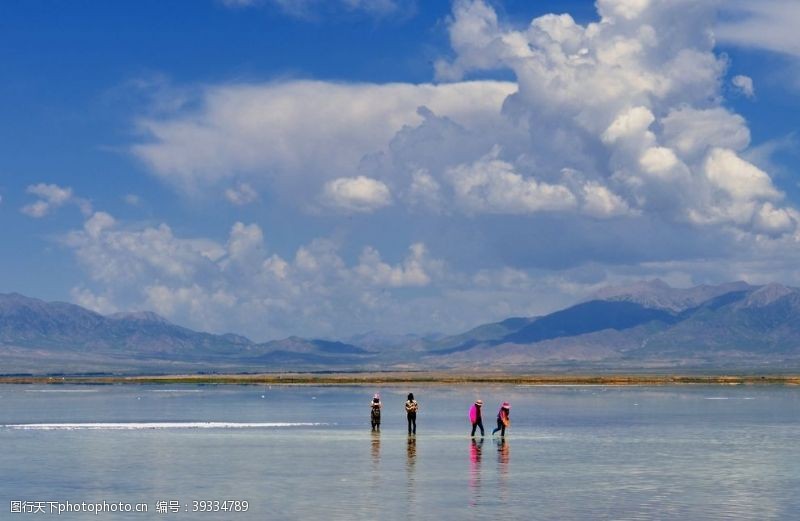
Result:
x=503 y=419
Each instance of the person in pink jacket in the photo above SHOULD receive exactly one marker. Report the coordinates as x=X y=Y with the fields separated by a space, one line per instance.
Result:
x=475 y=416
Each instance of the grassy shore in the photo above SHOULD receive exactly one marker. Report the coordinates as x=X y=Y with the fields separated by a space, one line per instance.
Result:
x=416 y=378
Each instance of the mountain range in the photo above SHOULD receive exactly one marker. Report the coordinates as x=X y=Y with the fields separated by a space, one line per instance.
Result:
x=645 y=326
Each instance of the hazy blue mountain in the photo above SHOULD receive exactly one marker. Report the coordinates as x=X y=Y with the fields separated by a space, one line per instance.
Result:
x=38 y=336
x=644 y=325
x=647 y=325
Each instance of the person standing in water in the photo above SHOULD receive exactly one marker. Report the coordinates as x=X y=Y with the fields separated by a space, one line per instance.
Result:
x=503 y=419
x=475 y=416
x=375 y=412
x=411 y=413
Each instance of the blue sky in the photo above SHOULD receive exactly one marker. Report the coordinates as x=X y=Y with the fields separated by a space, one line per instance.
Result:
x=326 y=168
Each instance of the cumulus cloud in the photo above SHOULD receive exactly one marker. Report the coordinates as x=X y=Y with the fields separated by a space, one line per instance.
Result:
x=241 y=194
x=744 y=84
x=641 y=87
x=356 y=194
x=296 y=130
x=97 y=303
x=238 y=283
x=51 y=197
x=491 y=185
x=614 y=134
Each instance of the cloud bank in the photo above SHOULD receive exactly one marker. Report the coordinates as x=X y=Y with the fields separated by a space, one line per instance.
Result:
x=613 y=154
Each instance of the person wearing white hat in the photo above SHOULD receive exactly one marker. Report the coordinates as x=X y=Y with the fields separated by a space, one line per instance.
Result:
x=375 y=412
x=475 y=417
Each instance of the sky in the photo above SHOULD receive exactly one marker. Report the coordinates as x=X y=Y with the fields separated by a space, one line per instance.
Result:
x=330 y=167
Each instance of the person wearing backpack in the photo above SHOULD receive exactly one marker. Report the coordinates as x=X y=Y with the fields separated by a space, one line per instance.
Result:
x=503 y=419
x=375 y=412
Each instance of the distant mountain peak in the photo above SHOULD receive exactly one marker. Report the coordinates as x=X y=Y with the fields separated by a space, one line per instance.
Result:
x=768 y=294
x=142 y=316
x=657 y=294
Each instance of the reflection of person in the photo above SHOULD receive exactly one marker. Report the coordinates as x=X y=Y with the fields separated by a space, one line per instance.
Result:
x=411 y=413
x=475 y=416
x=475 y=450
x=375 y=412
x=503 y=454
x=503 y=419
x=376 y=447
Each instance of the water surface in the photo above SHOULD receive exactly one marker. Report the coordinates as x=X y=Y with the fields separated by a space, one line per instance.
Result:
x=304 y=452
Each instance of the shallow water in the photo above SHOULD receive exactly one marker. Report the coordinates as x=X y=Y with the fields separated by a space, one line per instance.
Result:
x=301 y=452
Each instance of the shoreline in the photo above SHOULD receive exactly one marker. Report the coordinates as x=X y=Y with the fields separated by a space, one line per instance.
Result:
x=425 y=378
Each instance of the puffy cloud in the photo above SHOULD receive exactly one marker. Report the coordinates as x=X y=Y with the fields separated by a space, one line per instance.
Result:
x=626 y=9
x=737 y=178
x=631 y=102
x=51 y=197
x=741 y=194
x=356 y=194
x=296 y=130
x=241 y=194
x=614 y=134
x=97 y=303
x=424 y=191
x=599 y=201
x=692 y=132
x=744 y=84
x=238 y=284
x=411 y=273
x=491 y=185
x=631 y=123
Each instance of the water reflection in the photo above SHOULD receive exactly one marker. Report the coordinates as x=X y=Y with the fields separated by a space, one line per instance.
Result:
x=503 y=458
x=411 y=453
x=411 y=460
x=376 y=449
x=475 y=453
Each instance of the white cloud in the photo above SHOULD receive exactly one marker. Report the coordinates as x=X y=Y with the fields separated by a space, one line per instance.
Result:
x=97 y=303
x=51 y=197
x=491 y=185
x=738 y=178
x=290 y=132
x=356 y=194
x=424 y=191
x=599 y=201
x=241 y=194
x=659 y=162
x=632 y=123
x=615 y=135
x=627 y=9
x=692 y=132
x=238 y=284
x=411 y=273
x=642 y=86
x=744 y=84
x=767 y=24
